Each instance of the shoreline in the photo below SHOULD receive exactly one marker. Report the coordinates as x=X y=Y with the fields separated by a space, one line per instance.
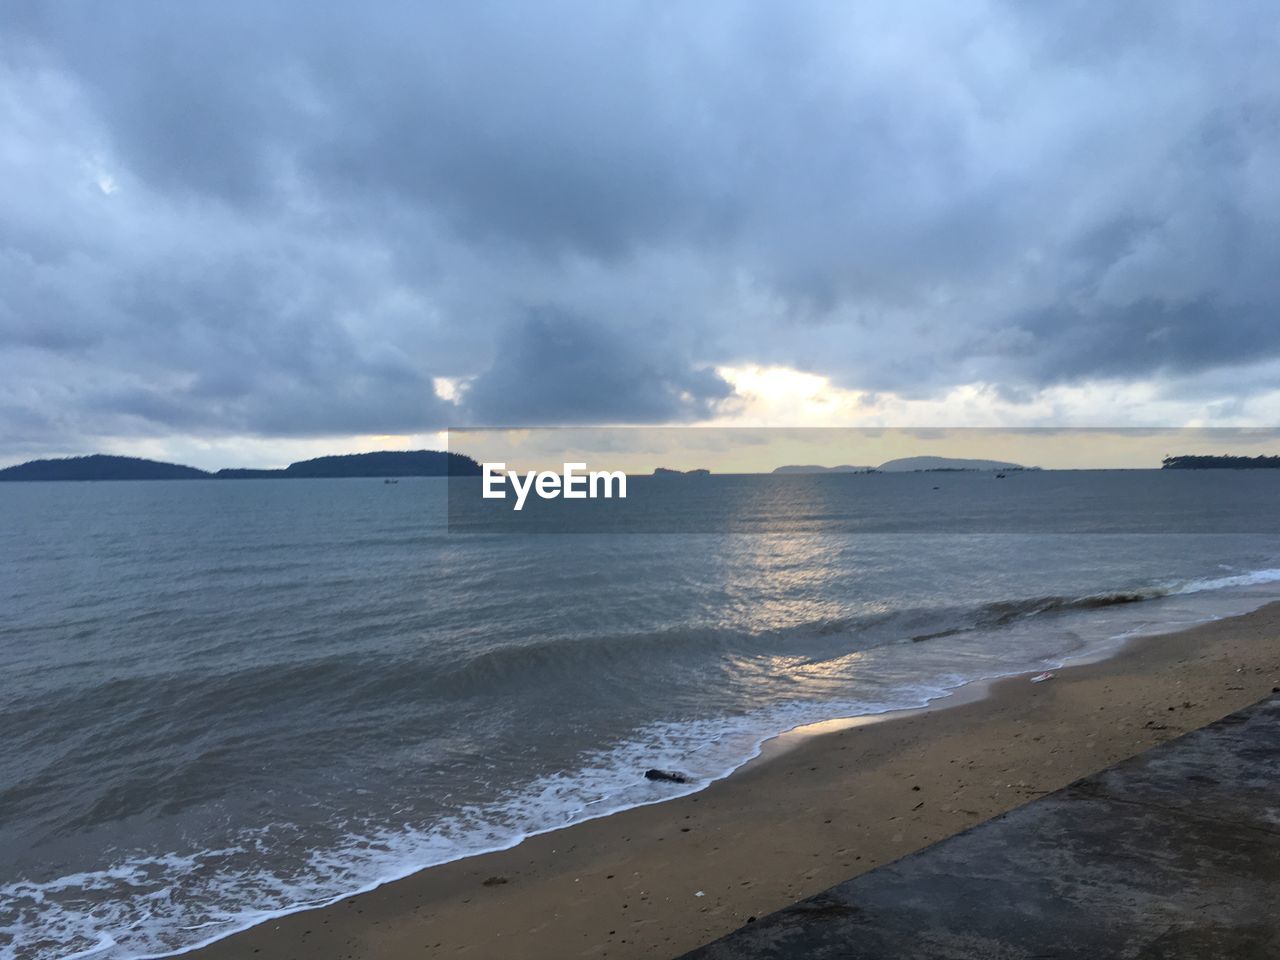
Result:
x=765 y=749
x=769 y=747
x=638 y=883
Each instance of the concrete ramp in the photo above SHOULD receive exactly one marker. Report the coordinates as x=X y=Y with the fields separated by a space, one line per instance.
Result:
x=1171 y=855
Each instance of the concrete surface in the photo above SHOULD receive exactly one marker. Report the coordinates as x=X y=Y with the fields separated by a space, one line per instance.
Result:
x=1171 y=855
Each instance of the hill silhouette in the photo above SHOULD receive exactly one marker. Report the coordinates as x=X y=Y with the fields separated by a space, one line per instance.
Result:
x=816 y=468
x=101 y=466
x=389 y=463
x=1226 y=462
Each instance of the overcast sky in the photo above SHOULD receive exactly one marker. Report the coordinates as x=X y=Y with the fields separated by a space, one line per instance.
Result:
x=237 y=233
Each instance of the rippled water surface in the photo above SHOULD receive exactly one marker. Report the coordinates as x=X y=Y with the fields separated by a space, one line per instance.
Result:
x=227 y=699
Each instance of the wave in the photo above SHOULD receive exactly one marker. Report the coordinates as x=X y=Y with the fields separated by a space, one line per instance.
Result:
x=515 y=663
x=1253 y=578
x=240 y=702
x=571 y=654
x=1005 y=612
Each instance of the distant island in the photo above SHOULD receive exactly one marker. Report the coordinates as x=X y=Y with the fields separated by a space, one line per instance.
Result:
x=931 y=464
x=100 y=466
x=390 y=463
x=815 y=468
x=386 y=463
x=909 y=465
x=668 y=472
x=1197 y=462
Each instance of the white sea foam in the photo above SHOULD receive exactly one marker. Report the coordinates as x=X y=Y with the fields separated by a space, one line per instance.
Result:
x=1250 y=579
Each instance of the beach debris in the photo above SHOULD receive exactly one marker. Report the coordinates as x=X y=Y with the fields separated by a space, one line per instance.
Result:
x=494 y=882
x=665 y=776
x=1042 y=677
x=700 y=893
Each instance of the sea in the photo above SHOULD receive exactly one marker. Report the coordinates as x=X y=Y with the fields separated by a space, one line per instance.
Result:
x=225 y=701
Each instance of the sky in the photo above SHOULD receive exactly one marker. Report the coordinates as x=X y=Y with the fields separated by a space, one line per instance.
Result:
x=239 y=234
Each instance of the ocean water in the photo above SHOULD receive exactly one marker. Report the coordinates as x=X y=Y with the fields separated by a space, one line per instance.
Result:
x=222 y=701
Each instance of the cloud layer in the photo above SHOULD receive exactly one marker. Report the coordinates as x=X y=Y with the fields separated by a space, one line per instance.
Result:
x=225 y=219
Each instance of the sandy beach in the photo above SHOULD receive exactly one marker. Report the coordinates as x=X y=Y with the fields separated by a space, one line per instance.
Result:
x=818 y=807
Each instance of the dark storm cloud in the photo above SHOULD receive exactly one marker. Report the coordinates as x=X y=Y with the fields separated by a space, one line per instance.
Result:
x=552 y=368
x=1121 y=342
x=288 y=219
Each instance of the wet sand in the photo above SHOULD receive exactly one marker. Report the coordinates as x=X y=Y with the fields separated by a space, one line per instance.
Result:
x=816 y=809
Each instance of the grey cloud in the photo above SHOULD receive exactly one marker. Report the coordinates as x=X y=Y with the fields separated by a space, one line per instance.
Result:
x=552 y=368
x=317 y=209
x=1145 y=335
